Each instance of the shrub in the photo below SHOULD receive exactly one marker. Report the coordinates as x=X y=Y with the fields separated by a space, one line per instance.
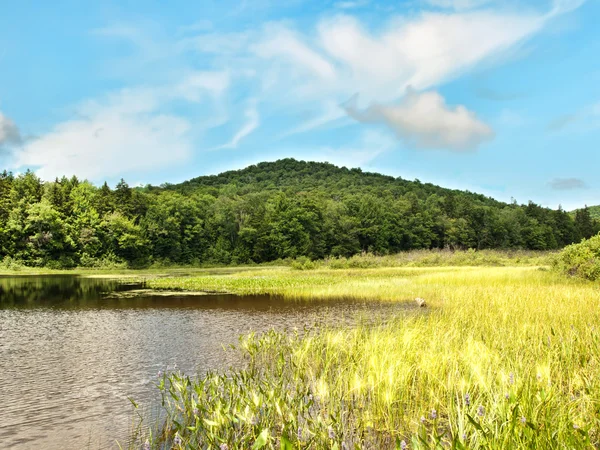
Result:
x=303 y=263
x=581 y=260
x=10 y=263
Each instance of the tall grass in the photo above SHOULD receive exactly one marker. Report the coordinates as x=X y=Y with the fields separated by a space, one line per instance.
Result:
x=504 y=358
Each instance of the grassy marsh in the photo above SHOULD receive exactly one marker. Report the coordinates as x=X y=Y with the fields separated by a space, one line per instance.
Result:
x=507 y=357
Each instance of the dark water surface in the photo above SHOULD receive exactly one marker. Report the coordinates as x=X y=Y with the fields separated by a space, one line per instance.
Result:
x=72 y=350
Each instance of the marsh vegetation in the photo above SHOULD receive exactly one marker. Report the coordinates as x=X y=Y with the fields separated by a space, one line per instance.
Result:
x=504 y=357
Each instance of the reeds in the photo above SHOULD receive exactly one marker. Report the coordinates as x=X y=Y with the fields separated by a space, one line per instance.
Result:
x=503 y=358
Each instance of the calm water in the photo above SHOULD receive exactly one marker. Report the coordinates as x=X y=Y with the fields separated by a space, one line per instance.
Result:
x=72 y=352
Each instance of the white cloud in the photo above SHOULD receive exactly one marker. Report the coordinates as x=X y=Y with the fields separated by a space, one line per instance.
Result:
x=370 y=145
x=422 y=52
x=124 y=132
x=252 y=122
x=425 y=121
x=330 y=111
x=116 y=138
x=283 y=43
x=9 y=133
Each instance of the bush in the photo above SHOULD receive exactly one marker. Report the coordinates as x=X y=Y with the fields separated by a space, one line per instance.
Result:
x=10 y=263
x=581 y=260
x=303 y=263
x=109 y=261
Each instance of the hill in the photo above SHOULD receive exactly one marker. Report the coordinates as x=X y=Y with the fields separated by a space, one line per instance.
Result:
x=268 y=211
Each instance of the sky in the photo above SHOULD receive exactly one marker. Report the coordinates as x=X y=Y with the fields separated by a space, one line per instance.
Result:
x=501 y=98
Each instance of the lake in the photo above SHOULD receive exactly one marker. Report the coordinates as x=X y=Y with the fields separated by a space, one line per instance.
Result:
x=73 y=349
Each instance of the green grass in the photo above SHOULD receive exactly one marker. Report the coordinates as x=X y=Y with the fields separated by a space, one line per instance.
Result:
x=504 y=357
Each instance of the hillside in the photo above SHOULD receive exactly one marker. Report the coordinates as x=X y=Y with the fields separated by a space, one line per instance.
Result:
x=296 y=176
x=268 y=211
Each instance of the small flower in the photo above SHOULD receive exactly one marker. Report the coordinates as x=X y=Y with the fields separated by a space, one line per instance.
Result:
x=177 y=439
x=539 y=377
x=146 y=445
x=331 y=433
x=422 y=419
x=433 y=414
x=511 y=378
x=523 y=420
x=464 y=436
x=467 y=399
x=195 y=411
x=223 y=446
x=403 y=445
x=254 y=421
x=481 y=411
x=575 y=426
x=507 y=396
x=159 y=374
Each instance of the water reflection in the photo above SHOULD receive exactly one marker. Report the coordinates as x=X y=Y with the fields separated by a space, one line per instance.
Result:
x=71 y=354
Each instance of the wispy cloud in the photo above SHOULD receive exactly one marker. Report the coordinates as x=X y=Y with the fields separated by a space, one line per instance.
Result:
x=424 y=120
x=252 y=123
x=351 y=4
x=567 y=184
x=126 y=130
x=459 y=5
x=287 y=70
x=587 y=118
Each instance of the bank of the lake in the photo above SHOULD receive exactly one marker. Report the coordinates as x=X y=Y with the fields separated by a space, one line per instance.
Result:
x=506 y=357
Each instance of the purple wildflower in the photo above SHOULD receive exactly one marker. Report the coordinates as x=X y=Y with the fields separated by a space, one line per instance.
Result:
x=433 y=414
x=422 y=419
x=195 y=411
x=403 y=445
x=523 y=420
x=575 y=426
x=177 y=439
x=146 y=445
x=507 y=396
x=223 y=446
x=331 y=433
x=467 y=399
x=481 y=411
x=511 y=378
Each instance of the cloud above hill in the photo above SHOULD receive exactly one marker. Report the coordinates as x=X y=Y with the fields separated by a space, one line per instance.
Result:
x=425 y=121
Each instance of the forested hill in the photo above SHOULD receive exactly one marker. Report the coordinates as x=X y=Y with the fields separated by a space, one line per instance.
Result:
x=283 y=209
x=295 y=176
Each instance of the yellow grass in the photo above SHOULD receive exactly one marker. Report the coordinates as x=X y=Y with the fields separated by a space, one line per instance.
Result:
x=507 y=357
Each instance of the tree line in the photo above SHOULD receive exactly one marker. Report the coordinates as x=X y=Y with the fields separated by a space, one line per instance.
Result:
x=266 y=212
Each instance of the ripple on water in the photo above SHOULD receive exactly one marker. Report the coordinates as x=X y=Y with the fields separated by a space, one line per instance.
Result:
x=70 y=357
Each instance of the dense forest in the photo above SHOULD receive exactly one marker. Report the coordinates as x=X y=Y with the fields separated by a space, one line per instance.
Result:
x=265 y=212
x=593 y=210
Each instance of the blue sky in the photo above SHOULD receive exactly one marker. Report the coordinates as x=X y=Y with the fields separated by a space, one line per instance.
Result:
x=501 y=98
